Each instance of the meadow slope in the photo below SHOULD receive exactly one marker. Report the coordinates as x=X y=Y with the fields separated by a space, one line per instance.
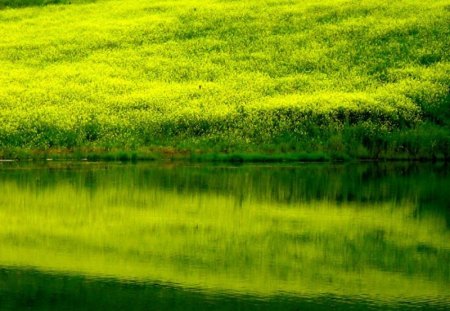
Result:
x=361 y=79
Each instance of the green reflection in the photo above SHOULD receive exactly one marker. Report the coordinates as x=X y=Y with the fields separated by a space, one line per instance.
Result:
x=380 y=232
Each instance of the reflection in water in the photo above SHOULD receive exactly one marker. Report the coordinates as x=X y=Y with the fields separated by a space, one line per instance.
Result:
x=91 y=236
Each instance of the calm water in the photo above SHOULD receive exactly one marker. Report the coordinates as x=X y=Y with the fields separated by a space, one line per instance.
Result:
x=207 y=237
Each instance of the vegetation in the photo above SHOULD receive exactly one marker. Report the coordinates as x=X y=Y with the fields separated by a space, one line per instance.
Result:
x=365 y=79
x=26 y=3
x=367 y=233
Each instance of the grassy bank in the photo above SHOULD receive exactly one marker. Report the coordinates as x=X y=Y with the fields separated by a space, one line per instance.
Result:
x=342 y=79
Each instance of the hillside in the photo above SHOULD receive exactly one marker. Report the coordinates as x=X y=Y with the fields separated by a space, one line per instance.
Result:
x=358 y=79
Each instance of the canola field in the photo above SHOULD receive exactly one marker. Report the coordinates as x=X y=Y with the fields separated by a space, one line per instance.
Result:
x=359 y=79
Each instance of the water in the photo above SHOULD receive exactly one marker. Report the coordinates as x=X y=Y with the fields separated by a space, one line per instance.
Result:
x=96 y=236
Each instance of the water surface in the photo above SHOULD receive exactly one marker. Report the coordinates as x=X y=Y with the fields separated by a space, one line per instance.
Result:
x=90 y=236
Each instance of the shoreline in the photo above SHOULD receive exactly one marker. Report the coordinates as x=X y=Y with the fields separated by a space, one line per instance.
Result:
x=174 y=155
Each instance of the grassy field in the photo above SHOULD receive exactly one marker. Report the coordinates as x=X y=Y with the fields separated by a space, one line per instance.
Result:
x=358 y=79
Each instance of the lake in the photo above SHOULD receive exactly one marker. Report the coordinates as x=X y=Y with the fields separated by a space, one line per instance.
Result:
x=174 y=236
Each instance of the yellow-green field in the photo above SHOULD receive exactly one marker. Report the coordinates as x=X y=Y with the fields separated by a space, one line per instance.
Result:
x=347 y=78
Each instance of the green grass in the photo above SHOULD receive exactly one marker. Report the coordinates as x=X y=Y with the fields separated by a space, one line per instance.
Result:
x=27 y=3
x=365 y=79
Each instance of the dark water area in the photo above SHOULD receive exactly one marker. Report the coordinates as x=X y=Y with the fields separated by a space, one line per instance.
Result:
x=38 y=291
x=165 y=236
